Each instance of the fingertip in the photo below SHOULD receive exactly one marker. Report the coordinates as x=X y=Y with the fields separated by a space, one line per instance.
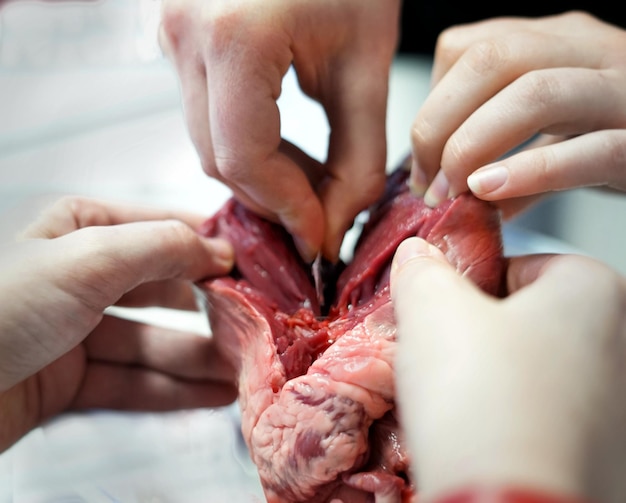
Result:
x=437 y=191
x=307 y=249
x=413 y=248
x=332 y=249
x=335 y=238
x=305 y=223
x=487 y=180
x=418 y=182
x=221 y=251
x=335 y=235
x=409 y=249
x=345 y=198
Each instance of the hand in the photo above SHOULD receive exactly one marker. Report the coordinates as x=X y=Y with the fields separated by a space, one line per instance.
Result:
x=58 y=351
x=231 y=57
x=558 y=81
x=528 y=390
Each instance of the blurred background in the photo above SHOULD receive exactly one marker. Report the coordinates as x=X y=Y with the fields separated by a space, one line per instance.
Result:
x=89 y=106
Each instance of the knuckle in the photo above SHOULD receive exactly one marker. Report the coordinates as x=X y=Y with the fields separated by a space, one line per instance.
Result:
x=81 y=204
x=538 y=92
x=374 y=187
x=579 y=18
x=72 y=203
x=177 y=231
x=488 y=56
x=615 y=149
x=174 y=20
x=176 y=236
x=220 y=26
x=422 y=132
x=85 y=211
x=368 y=192
x=232 y=168
x=209 y=166
x=458 y=148
x=543 y=164
x=448 y=44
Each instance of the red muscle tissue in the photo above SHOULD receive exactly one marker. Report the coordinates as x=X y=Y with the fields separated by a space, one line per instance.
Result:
x=316 y=385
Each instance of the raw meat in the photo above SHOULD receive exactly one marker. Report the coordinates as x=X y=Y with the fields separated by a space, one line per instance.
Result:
x=316 y=377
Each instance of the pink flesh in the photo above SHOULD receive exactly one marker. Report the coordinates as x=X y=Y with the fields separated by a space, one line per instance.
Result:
x=317 y=397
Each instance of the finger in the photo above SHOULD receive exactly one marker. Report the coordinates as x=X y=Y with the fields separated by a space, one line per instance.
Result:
x=484 y=69
x=122 y=387
x=179 y=41
x=100 y=264
x=557 y=101
x=454 y=41
x=246 y=135
x=436 y=313
x=421 y=275
x=73 y=212
x=424 y=286
x=597 y=158
x=77 y=276
x=172 y=294
x=180 y=354
x=312 y=169
x=512 y=207
x=195 y=97
x=232 y=119
x=163 y=38
x=17 y=218
x=357 y=150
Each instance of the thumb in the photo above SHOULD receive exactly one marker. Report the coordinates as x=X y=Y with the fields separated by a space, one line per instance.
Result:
x=436 y=311
x=357 y=149
x=107 y=262
x=426 y=288
x=434 y=307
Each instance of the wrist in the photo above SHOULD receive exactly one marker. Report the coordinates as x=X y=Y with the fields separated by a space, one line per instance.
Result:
x=511 y=494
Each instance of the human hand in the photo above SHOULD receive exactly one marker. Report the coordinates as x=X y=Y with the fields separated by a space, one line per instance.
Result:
x=558 y=80
x=529 y=390
x=231 y=57
x=59 y=352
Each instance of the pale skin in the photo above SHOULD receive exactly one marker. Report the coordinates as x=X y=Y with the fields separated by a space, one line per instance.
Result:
x=560 y=81
x=60 y=352
x=526 y=391
x=231 y=57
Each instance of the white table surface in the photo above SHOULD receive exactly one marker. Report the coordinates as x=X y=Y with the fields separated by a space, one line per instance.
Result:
x=117 y=131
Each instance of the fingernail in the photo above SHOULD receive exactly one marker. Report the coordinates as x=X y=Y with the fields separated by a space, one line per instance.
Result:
x=438 y=190
x=488 y=179
x=418 y=183
x=409 y=249
x=306 y=251
x=222 y=250
x=331 y=252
